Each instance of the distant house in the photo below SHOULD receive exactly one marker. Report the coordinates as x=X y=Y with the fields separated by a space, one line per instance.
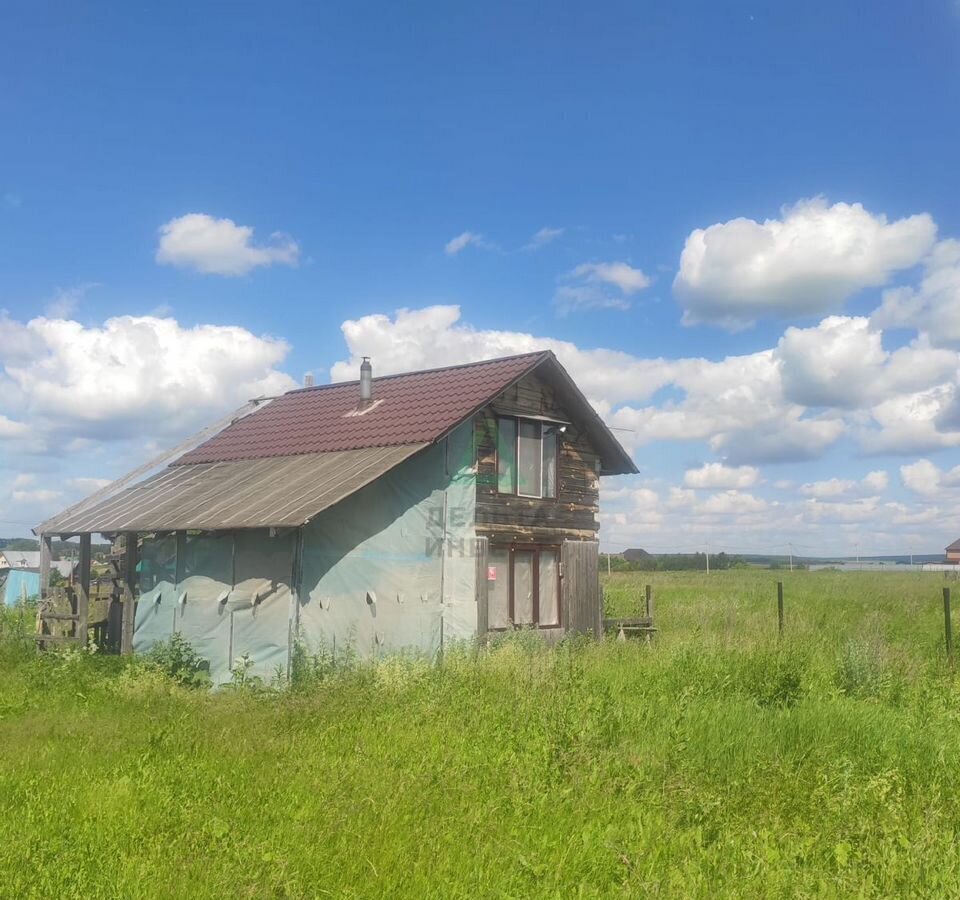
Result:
x=20 y=574
x=19 y=559
x=368 y=517
x=953 y=552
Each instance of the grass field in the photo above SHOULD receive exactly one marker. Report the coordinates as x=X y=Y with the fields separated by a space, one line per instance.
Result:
x=717 y=761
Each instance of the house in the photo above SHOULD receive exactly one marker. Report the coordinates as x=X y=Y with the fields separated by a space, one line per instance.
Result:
x=19 y=559
x=20 y=574
x=378 y=515
x=953 y=552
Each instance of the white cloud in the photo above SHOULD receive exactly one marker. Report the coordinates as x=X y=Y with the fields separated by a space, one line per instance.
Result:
x=876 y=481
x=220 y=246
x=462 y=241
x=9 y=429
x=601 y=285
x=66 y=300
x=933 y=307
x=619 y=274
x=131 y=376
x=873 y=483
x=734 y=503
x=736 y=404
x=910 y=423
x=834 y=364
x=40 y=495
x=841 y=364
x=925 y=478
x=543 y=237
x=717 y=475
x=807 y=262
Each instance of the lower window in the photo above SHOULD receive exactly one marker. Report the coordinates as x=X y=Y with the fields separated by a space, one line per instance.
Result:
x=523 y=586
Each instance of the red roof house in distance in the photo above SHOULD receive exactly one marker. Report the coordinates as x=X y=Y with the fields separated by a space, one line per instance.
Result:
x=386 y=513
x=953 y=552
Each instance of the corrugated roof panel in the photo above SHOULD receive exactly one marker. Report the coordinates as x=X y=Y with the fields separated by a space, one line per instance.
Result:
x=249 y=493
x=416 y=407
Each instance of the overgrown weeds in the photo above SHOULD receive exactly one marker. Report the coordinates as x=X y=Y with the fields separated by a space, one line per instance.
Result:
x=722 y=760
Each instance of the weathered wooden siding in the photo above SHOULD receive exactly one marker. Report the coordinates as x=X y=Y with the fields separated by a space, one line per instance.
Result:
x=580 y=586
x=506 y=518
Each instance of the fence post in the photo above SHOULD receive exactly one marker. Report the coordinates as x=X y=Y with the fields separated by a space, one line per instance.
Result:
x=780 y=608
x=650 y=601
x=947 y=623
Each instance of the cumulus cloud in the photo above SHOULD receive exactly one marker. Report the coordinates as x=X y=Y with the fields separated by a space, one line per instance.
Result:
x=873 y=483
x=807 y=262
x=927 y=479
x=717 y=475
x=910 y=423
x=220 y=246
x=841 y=363
x=932 y=307
x=133 y=375
x=786 y=404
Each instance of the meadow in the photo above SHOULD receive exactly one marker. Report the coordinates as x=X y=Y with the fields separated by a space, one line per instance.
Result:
x=717 y=761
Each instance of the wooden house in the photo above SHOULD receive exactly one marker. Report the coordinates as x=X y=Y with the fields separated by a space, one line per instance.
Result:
x=953 y=552
x=367 y=517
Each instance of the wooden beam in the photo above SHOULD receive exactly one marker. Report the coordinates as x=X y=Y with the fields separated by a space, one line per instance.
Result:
x=83 y=589
x=129 y=593
x=46 y=554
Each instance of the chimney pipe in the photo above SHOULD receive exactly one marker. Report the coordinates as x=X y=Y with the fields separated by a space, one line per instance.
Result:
x=308 y=379
x=366 y=381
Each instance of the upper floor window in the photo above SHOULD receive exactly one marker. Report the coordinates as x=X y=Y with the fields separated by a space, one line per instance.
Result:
x=527 y=457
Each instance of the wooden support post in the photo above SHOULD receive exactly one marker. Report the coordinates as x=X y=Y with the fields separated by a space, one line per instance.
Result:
x=650 y=601
x=46 y=554
x=780 y=608
x=947 y=623
x=129 y=593
x=83 y=589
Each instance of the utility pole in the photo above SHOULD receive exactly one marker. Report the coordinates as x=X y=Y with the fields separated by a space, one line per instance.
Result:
x=608 y=563
x=791 y=557
x=858 y=554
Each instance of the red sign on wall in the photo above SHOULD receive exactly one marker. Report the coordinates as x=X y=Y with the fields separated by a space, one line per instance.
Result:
x=491 y=573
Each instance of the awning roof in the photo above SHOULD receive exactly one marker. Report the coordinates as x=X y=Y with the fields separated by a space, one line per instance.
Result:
x=246 y=493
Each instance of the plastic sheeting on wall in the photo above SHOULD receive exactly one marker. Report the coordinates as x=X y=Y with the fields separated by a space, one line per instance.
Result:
x=227 y=593
x=391 y=567
x=19 y=584
x=388 y=568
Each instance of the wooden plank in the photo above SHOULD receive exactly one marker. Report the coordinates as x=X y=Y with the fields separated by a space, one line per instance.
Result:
x=482 y=586
x=129 y=593
x=947 y=623
x=580 y=586
x=59 y=617
x=615 y=624
x=46 y=554
x=83 y=588
x=56 y=639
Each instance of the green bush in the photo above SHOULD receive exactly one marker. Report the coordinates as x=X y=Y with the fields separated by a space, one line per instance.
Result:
x=178 y=660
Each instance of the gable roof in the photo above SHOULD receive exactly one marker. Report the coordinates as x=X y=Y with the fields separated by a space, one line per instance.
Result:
x=410 y=408
x=23 y=559
x=955 y=545
x=312 y=447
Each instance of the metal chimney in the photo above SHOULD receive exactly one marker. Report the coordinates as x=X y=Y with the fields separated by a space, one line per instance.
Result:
x=308 y=379
x=366 y=381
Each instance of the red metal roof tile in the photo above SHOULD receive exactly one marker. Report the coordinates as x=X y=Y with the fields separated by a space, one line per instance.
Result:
x=409 y=408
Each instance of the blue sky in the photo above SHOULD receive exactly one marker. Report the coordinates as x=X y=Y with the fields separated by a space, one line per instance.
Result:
x=357 y=142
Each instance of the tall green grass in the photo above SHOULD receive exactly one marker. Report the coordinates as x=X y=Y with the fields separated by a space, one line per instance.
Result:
x=717 y=761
